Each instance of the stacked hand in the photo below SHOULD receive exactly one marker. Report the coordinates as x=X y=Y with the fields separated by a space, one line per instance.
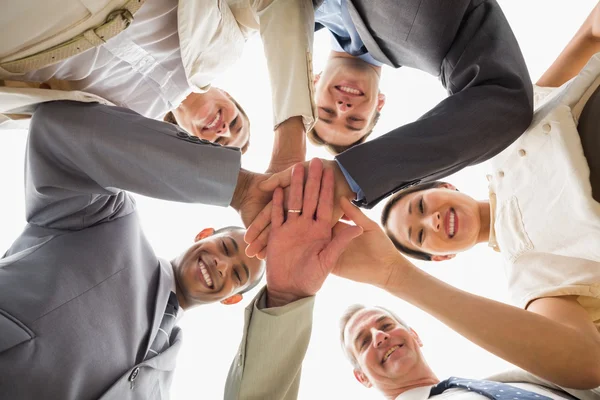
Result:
x=258 y=232
x=302 y=247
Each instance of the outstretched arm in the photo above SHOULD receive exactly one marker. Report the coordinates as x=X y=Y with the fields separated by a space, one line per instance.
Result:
x=576 y=54
x=555 y=339
x=490 y=105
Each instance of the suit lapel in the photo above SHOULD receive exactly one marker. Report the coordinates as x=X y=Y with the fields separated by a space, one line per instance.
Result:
x=365 y=35
x=163 y=290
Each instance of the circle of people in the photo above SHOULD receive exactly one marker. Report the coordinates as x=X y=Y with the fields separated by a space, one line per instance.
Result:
x=117 y=98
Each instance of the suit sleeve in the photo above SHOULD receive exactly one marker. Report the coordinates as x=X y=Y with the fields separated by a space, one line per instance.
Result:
x=490 y=104
x=82 y=158
x=269 y=362
x=288 y=50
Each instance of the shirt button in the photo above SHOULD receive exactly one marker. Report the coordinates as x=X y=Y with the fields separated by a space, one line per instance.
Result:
x=500 y=174
x=134 y=374
x=522 y=153
x=489 y=177
x=546 y=128
x=194 y=138
x=182 y=134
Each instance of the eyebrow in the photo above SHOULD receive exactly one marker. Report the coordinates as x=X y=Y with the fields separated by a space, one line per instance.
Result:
x=234 y=243
x=247 y=271
x=351 y=128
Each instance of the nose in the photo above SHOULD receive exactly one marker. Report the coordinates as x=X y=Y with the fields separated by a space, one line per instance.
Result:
x=343 y=106
x=379 y=338
x=434 y=221
x=223 y=130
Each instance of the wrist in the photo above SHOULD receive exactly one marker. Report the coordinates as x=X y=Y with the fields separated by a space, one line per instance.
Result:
x=342 y=188
x=280 y=299
x=241 y=187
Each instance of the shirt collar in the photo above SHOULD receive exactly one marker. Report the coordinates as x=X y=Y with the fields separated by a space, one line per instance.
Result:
x=418 y=393
x=493 y=242
x=170 y=276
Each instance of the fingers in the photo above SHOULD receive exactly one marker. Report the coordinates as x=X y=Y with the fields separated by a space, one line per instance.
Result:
x=281 y=179
x=260 y=223
x=312 y=188
x=343 y=235
x=262 y=254
x=356 y=215
x=325 y=209
x=277 y=208
x=294 y=201
x=259 y=244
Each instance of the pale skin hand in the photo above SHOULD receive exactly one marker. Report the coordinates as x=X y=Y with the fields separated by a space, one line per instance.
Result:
x=302 y=249
x=554 y=339
x=258 y=232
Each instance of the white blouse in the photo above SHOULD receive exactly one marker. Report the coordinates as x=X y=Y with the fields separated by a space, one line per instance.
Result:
x=547 y=225
x=140 y=69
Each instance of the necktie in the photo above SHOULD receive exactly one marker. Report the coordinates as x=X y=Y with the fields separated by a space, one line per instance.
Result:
x=489 y=389
x=161 y=341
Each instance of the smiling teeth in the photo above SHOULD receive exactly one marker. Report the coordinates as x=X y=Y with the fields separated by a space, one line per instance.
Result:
x=349 y=90
x=389 y=352
x=214 y=121
x=451 y=223
x=205 y=274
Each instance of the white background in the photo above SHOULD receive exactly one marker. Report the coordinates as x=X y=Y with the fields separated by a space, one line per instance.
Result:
x=212 y=333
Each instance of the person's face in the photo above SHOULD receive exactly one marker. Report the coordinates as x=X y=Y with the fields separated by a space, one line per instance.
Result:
x=215 y=267
x=388 y=354
x=213 y=116
x=347 y=96
x=438 y=221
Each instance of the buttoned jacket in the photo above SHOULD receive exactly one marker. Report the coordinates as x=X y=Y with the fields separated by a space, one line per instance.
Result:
x=547 y=225
x=82 y=293
x=212 y=34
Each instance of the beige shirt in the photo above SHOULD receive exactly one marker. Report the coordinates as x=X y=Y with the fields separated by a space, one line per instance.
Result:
x=547 y=225
x=212 y=34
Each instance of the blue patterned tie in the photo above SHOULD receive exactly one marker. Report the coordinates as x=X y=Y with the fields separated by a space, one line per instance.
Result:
x=162 y=340
x=489 y=389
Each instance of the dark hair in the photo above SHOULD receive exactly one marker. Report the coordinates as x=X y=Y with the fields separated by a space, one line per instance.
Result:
x=385 y=215
x=348 y=314
x=335 y=149
x=170 y=118
x=257 y=281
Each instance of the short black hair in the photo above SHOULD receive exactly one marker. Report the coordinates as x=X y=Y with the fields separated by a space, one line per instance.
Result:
x=256 y=282
x=385 y=215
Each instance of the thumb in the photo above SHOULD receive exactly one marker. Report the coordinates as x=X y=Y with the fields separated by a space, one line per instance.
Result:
x=281 y=179
x=356 y=215
x=341 y=240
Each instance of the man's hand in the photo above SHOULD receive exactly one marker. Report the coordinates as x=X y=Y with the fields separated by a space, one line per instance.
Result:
x=302 y=250
x=258 y=232
x=372 y=257
x=248 y=200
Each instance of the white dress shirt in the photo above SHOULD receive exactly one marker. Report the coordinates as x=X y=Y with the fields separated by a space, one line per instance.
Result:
x=547 y=225
x=140 y=69
x=422 y=393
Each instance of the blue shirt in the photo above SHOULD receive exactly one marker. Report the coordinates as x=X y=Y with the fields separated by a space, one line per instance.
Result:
x=334 y=15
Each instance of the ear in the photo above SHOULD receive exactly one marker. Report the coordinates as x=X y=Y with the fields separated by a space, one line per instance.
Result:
x=443 y=258
x=415 y=335
x=447 y=185
x=234 y=299
x=362 y=378
x=380 y=101
x=316 y=78
x=204 y=233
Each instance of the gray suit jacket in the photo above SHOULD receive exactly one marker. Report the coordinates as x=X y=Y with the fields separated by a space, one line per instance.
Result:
x=82 y=293
x=470 y=46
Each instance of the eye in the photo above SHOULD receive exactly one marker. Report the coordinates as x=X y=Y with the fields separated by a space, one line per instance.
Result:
x=328 y=110
x=385 y=327
x=237 y=276
x=421 y=206
x=233 y=122
x=355 y=119
x=421 y=233
x=225 y=249
x=363 y=343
